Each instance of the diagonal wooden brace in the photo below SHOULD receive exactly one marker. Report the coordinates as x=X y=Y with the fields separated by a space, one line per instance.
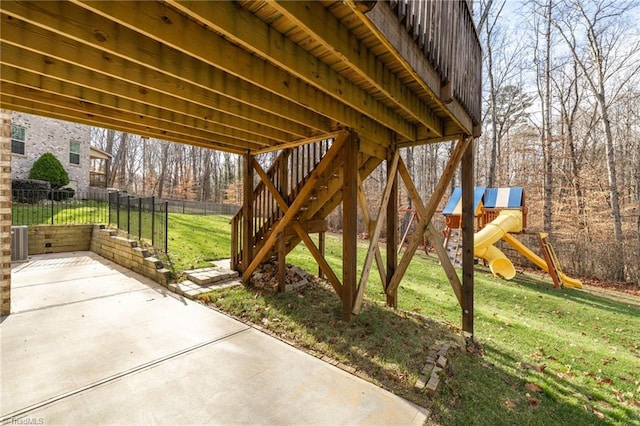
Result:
x=303 y=196
x=331 y=276
x=362 y=199
x=434 y=236
x=373 y=239
x=429 y=209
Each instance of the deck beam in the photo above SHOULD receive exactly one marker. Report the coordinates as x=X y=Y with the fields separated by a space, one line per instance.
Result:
x=264 y=41
x=127 y=55
x=335 y=37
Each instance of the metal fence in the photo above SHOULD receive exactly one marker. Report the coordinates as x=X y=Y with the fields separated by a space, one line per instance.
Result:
x=142 y=217
x=145 y=218
x=201 y=207
x=58 y=207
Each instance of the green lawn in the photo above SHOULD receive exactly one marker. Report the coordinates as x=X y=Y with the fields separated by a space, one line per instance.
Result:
x=48 y=213
x=547 y=356
x=196 y=240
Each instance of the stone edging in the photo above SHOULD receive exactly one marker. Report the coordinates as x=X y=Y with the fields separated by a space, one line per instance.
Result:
x=434 y=368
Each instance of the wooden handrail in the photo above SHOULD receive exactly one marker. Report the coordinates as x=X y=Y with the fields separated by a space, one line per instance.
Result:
x=299 y=162
x=446 y=34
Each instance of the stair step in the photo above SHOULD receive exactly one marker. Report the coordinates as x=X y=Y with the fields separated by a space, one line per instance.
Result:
x=207 y=276
x=192 y=291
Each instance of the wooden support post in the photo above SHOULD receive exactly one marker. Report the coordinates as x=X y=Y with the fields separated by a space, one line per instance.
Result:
x=321 y=246
x=282 y=263
x=247 y=213
x=349 y=224
x=283 y=181
x=392 y=233
x=468 y=216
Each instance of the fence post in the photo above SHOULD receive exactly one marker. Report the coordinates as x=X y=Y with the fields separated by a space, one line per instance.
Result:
x=118 y=209
x=153 y=220
x=128 y=215
x=166 y=227
x=51 y=195
x=140 y=219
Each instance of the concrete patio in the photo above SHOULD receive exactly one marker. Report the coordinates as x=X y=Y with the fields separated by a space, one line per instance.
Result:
x=89 y=342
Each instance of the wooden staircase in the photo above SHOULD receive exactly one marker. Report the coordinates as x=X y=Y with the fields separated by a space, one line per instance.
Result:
x=312 y=171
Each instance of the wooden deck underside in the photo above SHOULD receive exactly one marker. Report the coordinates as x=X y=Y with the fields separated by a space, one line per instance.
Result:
x=250 y=77
x=238 y=76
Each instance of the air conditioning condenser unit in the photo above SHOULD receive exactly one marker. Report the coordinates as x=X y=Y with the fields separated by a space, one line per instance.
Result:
x=19 y=244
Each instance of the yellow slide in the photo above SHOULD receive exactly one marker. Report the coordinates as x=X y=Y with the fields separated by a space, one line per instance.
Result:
x=483 y=240
x=566 y=281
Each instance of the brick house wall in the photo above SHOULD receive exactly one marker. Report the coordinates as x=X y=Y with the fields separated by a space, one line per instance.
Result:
x=48 y=135
x=5 y=212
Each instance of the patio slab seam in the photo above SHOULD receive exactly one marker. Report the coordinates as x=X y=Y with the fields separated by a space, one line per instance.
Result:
x=26 y=410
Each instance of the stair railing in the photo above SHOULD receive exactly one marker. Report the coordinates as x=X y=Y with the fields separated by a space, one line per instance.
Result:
x=289 y=172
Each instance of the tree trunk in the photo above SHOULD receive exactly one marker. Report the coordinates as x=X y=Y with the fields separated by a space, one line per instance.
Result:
x=163 y=168
x=613 y=187
x=547 y=133
x=637 y=174
x=206 y=176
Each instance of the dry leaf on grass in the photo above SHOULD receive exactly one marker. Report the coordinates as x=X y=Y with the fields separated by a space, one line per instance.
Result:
x=568 y=376
x=598 y=414
x=533 y=387
x=533 y=402
x=510 y=404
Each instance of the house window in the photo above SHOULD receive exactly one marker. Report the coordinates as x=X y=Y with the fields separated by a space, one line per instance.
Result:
x=74 y=152
x=17 y=140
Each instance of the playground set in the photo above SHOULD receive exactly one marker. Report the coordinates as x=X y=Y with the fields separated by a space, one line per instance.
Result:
x=499 y=214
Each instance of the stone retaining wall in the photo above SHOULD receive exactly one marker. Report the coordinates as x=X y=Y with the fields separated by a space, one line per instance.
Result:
x=125 y=252
x=59 y=238
x=104 y=242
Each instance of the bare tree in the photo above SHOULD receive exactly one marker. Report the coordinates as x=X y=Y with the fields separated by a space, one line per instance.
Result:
x=506 y=101
x=569 y=98
x=594 y=33
x=542 y=61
